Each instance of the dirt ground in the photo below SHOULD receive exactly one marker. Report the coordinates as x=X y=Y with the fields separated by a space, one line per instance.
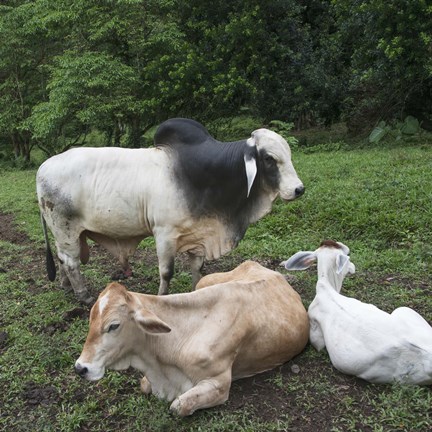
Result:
x=264 y=396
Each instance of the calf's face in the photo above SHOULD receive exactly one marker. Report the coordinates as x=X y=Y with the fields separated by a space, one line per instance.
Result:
x=118 y=324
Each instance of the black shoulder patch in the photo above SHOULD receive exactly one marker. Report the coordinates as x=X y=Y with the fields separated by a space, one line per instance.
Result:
x=210 y=174
x=177 y=131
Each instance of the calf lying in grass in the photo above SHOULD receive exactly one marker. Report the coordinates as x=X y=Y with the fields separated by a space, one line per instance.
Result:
x=191 y=346
x=361 y=339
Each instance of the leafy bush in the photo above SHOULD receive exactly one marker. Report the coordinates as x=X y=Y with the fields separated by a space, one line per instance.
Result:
x=284 y=129
x=396 y=130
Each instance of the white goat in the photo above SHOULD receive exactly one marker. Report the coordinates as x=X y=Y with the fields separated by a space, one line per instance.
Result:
x=361 y=339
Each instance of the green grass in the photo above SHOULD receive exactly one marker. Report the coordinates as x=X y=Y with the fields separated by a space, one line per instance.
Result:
x=377 y=201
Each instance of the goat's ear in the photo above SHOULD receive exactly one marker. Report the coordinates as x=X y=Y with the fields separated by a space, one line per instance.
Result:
x=149 y=322
x=343 y=260
x=250 y=162
x=300 y=261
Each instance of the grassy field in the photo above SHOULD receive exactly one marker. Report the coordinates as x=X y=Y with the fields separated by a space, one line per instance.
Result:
x=377 y=201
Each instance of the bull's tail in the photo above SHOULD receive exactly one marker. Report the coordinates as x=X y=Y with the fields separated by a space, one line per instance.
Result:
x=50 y=265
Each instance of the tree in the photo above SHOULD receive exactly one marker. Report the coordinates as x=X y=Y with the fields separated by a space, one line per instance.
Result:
x=105 y=76
x=23 y=54
x=391 y=70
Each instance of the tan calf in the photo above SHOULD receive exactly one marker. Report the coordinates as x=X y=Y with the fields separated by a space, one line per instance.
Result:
x=191 y=346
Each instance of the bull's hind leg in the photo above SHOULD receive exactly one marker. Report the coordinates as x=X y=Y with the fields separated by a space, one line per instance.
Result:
x=69 y=256
x=64 y=280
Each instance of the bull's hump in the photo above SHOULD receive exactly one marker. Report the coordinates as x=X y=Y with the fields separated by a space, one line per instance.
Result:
x=181 y=131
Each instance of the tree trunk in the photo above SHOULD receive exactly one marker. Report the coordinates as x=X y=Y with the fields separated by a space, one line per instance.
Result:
x=134 y=139
x=21 y=145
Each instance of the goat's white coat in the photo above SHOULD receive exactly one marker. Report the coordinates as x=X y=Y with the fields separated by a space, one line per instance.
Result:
x=361 y=339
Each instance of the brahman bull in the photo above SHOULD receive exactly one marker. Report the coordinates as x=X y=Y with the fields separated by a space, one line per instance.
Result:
x=361 y=339
x=191 y=346
x=192 y=193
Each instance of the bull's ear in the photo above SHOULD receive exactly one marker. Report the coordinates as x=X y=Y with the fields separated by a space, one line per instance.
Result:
x=250 y=162
x=149 y=322
x=300 y=261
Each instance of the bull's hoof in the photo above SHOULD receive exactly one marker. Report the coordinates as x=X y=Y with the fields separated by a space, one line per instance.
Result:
x=86 y=299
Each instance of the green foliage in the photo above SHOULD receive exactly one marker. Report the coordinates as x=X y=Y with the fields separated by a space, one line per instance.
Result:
x=234 y=128
x=22 y=79
x=396 y=131
x=68 y=67
x=284 y=129
x=391 y=67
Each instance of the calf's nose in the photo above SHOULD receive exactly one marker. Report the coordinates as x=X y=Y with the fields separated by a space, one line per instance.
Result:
x=81 y=370
x=299 y=191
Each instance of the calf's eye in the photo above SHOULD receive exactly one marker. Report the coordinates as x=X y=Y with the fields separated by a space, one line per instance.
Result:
x=113 y=327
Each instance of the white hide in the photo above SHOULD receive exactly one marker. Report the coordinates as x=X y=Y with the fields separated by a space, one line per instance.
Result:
x=118 y=196
x=361 y=339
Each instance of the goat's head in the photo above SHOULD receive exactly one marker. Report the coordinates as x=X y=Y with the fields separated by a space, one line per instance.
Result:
x=333 y=262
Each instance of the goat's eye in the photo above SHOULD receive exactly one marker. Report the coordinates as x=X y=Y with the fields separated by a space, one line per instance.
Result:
x=113 y=327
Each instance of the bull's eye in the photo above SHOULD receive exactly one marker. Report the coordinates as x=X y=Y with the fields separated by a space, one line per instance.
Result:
x=269 y=160
x=113 y=327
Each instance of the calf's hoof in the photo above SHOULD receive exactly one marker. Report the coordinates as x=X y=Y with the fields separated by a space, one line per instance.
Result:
x=145 y=385
x=181 y=408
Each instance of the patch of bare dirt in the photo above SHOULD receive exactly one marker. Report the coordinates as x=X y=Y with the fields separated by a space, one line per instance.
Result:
x=9 y=231
x=35 y=394
x=4 y=337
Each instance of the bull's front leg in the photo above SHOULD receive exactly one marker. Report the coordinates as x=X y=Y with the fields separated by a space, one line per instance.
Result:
x=196 y=264
x=205 y=394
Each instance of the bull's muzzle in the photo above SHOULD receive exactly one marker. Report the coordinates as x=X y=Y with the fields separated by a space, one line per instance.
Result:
x=299 y=191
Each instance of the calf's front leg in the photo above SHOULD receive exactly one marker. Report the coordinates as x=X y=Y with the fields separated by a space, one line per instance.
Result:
x=207 y=393
x=316 y=336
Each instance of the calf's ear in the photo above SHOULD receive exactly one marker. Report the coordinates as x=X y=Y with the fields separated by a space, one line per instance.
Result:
x=343 y=260
x=250 y=162
x=149 y=322
x=300 y=261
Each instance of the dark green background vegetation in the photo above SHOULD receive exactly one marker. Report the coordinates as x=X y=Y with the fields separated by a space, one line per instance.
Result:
x=102 y=72
x=120 y=67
